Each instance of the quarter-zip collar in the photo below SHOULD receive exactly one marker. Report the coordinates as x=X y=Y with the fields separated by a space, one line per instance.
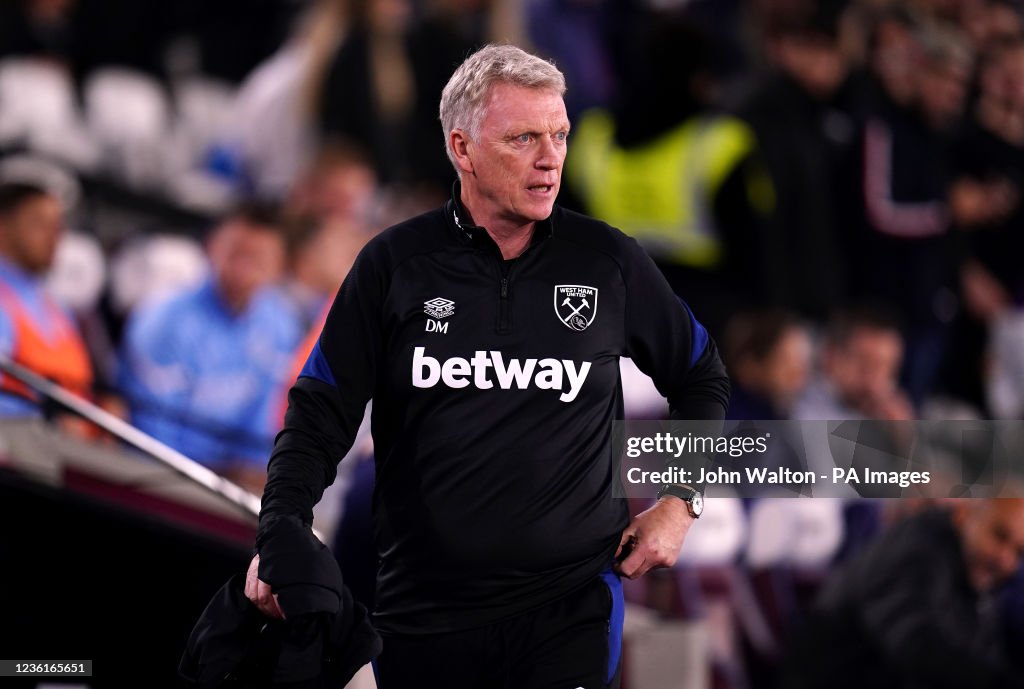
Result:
x=462 y=223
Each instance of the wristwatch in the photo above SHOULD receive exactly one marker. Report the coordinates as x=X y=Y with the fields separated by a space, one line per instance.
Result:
x=691 y=496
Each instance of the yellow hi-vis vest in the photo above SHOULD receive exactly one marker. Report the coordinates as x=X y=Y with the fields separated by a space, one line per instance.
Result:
x=661 y=192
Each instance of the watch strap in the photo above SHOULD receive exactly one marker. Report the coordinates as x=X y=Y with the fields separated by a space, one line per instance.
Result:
x=683 y=492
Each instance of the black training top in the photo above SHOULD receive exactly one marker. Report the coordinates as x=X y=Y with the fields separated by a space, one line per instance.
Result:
x=494 y=387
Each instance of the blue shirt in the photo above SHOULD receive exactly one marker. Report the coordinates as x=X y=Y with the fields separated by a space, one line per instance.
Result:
x=203 y=379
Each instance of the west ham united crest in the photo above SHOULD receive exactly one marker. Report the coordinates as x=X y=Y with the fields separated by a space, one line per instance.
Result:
x=576 y=305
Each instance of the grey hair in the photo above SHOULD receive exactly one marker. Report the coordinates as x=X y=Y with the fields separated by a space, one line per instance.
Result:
x=464 y=98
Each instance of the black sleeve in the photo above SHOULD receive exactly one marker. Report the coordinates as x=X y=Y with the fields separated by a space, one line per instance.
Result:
x=668 y=343
x=326 y=404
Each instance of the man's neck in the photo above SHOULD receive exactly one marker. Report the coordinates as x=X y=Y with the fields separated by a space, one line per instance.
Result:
x=511 y=238
x=233 y=303
x=15 y=268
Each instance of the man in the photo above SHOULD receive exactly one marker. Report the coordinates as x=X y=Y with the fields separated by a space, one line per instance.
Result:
x=683 y=180
x=200 y=368
x=916 y=609
x=908 y=198
x=769 y=355
x=801 y=120
x=860 y=365
x=34 y=330
x=488 y=333
x=332 y=204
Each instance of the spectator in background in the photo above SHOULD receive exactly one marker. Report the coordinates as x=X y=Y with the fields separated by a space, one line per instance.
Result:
x=905 y=250
x=273 y=133
x=860 y=363
x=860 y=359
x=574 y=34
x=35 y=331
x=381 y=86
x=917 y=607
x=339 y=186
x=769 y=359
x=682 y=180
x=200 y=368
x=991 y=162
x=805 y=134
x=992 y=22
x=333 y=204
x=355 y=71
x=891 y=58
x=986 y=203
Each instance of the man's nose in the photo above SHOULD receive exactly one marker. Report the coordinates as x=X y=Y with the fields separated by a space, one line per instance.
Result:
x=550 y=156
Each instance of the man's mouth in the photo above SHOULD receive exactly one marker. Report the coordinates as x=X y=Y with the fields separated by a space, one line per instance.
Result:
x=541 y=188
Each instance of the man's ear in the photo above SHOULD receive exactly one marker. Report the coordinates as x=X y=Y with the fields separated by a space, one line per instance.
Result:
x=460 y=144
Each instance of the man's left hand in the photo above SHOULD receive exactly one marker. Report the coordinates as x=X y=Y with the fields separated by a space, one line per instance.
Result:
x=659 y=533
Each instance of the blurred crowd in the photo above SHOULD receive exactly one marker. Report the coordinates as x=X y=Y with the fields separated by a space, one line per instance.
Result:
x=833 y=186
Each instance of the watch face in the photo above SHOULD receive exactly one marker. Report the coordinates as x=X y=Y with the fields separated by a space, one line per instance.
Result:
x=697 y=504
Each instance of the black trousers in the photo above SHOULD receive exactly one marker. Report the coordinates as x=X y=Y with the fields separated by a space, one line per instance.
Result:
x=572 y=643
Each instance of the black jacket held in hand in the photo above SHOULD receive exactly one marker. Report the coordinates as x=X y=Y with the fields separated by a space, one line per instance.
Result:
x=324 y=640
x=494 y=384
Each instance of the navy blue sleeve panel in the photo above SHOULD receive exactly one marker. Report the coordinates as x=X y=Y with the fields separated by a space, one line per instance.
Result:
x=698 y=336
x=669 y=344
x=316 y=366
x=326 y=404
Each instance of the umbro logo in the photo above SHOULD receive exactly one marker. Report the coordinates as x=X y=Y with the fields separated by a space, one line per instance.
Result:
x=439 y=307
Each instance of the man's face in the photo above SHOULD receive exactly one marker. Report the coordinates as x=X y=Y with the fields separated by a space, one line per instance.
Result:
x=345 y=193
x=1003 y=80
x=32 y=232
x=515 y=162
x=816 y=62
x=865 y=369
x=244 y=259
x=992 y=536
x=893 y=61
x=943 y=91
x=788 y=367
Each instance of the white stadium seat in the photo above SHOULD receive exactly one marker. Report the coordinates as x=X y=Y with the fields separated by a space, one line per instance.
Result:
x=720 y=536
x=38 y=110
x=153 y=266
x=79 y=272
x=129 y=114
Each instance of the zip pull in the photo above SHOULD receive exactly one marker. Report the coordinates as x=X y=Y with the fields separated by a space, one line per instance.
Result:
x=504 y=317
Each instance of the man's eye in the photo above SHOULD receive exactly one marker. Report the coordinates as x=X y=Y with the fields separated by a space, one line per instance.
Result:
x=523 y=138
x=561 y=136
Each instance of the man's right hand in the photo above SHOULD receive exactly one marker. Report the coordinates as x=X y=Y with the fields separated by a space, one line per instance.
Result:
x=258 y=591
